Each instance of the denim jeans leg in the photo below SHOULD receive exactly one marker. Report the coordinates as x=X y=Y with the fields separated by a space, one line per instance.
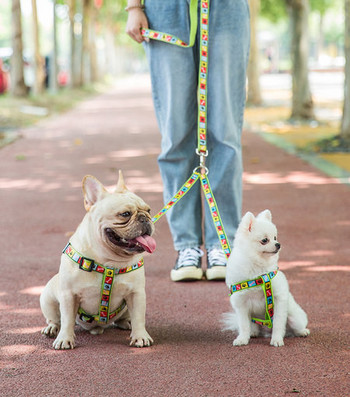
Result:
x=174 y=88
x=229 y=38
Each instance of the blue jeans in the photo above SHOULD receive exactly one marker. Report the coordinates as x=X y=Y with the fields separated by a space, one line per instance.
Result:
x=174 y=77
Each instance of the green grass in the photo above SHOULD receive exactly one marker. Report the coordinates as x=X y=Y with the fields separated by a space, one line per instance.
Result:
x=11 y=108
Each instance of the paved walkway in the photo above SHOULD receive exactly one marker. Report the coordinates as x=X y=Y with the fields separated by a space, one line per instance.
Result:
x=41 y=203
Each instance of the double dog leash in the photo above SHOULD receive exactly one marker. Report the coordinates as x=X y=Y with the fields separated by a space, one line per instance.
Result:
x=200 y=172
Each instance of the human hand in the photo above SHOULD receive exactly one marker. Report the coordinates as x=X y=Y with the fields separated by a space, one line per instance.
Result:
x=137 y=20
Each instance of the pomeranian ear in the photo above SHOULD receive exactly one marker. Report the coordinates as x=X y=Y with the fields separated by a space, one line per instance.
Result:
x=247 y=221
x=93 y=191
x=266 y=214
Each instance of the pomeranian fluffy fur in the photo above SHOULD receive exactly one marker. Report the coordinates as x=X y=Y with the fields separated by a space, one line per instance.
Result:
x=256 y=252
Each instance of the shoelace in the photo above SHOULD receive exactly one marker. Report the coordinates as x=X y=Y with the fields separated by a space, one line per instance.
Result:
x=216 y=257
x=189 y=257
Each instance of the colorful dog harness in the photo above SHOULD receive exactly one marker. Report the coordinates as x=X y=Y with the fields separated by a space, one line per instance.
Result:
x=108 y=274
x=264 y=281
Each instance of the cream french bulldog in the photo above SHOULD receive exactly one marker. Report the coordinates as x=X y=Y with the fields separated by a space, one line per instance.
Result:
x=101 y=280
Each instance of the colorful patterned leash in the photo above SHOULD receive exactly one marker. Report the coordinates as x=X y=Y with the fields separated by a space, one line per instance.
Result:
x=264 y=281
x=201 y=172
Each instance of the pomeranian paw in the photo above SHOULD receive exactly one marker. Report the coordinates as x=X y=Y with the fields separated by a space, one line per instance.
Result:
x=241 y=341
x=303 y=333
x=277 y=342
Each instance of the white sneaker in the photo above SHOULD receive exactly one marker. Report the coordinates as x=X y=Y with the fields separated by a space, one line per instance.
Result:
x=188 y=265
x=217 y=261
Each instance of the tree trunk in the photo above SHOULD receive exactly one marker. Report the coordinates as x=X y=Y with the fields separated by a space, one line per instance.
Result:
x=302 y=104
x=18 y=87
x=85 y=53
x=92 y=45
x=345 y=125
x=39 y=63
x=53 y=61
x=74 y=79
x=254 y=92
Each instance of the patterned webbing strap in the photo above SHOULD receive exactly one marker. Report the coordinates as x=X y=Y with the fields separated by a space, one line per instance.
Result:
x=202 y=114
x=108 y=274
x=264 y=281
x=211 y=202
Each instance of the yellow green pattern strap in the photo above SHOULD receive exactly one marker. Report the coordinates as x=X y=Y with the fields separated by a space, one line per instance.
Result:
x=264 y=281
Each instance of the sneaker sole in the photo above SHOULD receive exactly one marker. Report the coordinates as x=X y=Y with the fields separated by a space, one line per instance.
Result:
x=186 y=273
x=216 y=273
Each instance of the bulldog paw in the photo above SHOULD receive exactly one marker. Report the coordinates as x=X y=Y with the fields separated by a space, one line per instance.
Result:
x=64 y=342
x=123 y=324
x=51 y=330
x=141 y=339
x=97 y=331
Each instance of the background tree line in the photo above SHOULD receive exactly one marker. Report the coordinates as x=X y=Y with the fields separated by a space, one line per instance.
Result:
x=88 y=22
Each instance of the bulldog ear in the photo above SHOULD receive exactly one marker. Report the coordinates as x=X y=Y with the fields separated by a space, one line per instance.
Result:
x=266 y=214
x=247 y=221
x=93 y=191
x=121 y=187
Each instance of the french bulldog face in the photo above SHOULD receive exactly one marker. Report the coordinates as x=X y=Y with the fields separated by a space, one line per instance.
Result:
x=121 y=219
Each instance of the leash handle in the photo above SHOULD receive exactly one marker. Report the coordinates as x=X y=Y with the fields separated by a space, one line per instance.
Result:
x=171 y=39
x=203 y=69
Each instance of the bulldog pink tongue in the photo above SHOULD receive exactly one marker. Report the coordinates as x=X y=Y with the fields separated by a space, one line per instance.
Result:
x=147 y=242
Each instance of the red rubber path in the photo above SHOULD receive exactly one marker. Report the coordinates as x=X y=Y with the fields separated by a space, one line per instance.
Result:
x=41 y=203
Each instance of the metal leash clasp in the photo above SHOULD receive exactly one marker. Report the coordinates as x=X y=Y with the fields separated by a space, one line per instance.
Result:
x=203 y=169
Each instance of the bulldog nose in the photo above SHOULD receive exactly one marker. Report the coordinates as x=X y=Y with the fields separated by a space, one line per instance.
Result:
x=142 y=218
x=278 y=246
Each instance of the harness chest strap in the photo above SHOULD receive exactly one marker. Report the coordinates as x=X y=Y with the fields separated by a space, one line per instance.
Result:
x=108 y=274
x=264 y=281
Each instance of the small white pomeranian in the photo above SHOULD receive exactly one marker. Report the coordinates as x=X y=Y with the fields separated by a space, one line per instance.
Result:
x=259 y=291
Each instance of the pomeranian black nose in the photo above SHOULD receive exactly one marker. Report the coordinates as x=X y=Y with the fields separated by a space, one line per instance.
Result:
x=278 y=246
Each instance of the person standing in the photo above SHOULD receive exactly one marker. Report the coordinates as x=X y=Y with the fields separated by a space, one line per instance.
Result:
x=174 y=79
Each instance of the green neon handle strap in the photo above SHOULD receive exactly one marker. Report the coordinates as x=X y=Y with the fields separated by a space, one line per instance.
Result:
x=194 y=22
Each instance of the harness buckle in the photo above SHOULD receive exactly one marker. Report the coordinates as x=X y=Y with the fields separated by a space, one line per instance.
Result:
x=87 y=264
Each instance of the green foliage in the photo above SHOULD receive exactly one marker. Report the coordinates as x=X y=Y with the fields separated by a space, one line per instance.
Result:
x=5 y=23
x=273 y=10
x=321 y=5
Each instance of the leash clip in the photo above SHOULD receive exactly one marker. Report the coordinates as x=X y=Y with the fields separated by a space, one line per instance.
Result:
x=202 y=156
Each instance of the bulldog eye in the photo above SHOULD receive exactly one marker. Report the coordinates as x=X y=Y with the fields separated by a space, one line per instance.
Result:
x=125 y=214
x=264 y=241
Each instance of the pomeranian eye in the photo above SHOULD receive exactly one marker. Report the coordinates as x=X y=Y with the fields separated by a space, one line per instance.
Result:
x=275 y=238
x=264 y=241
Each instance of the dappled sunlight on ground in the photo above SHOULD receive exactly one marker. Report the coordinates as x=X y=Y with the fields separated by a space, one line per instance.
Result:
x=328 y=268
x=32 y=290
x=17 y=350
x=299 y=179
x=24 y=331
